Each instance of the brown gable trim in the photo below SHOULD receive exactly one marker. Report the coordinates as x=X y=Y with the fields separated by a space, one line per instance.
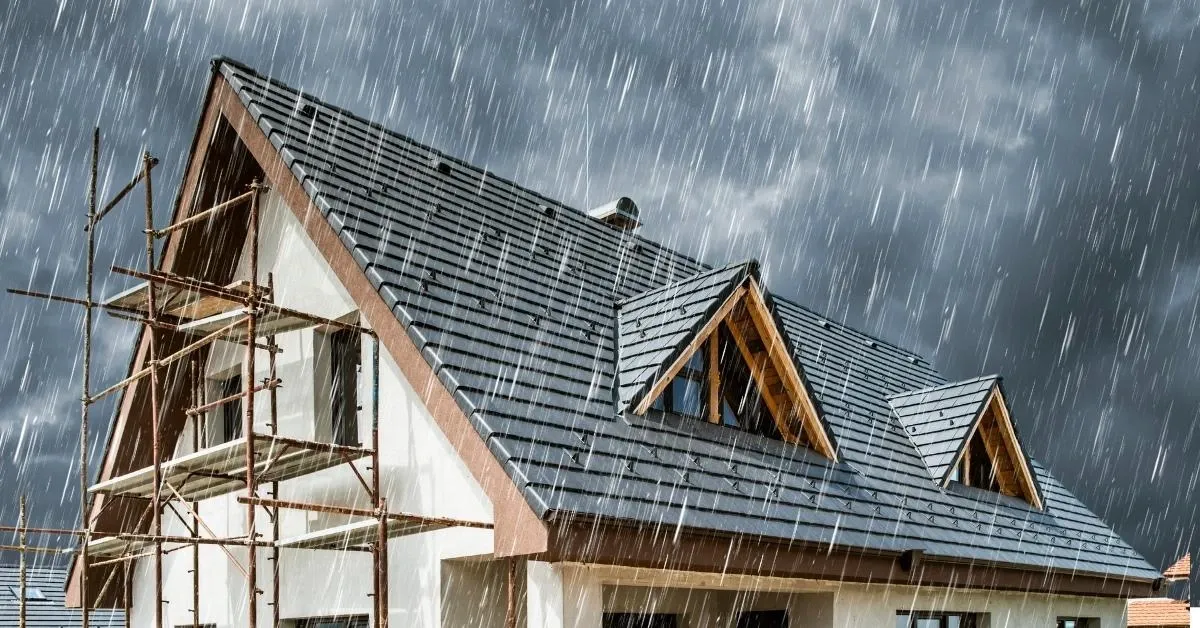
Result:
x=591 y=541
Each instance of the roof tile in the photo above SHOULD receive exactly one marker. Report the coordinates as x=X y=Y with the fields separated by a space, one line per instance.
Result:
x=516 y=308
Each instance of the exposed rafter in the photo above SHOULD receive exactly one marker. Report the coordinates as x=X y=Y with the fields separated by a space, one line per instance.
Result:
x=748 y=318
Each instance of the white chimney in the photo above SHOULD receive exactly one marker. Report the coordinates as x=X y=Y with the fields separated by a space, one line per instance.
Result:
x=621 y=214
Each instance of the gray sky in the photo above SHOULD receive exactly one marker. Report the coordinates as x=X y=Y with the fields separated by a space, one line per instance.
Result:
x=1003 y=186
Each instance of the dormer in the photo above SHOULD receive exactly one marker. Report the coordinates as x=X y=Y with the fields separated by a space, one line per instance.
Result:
x=709 y=347
x=965 y=434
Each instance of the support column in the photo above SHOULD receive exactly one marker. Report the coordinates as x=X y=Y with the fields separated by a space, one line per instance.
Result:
x=561 y=597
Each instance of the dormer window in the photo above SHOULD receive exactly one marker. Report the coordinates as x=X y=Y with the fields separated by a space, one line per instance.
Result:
x=709 y=347
x=737 y=402
x=964 y=434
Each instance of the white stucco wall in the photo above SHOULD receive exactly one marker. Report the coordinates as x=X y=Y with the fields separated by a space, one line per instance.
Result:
x=422 y=475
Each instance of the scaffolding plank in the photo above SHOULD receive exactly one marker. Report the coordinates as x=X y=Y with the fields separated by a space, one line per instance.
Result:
x=113 y=547
x=359 y=534
x=270 y=321
x=221 y=469
x=180 y=302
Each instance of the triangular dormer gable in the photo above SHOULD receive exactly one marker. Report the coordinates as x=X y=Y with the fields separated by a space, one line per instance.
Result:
x=1181 y=569
x=964 y=432
x=660 y=331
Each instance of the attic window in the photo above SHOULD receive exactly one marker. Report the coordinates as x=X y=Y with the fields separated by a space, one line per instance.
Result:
x=737 y=397
x=992 y=458
x=737 y=372
x=33 y=594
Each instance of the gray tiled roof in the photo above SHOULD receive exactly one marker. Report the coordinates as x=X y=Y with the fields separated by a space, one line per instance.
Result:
x=654 y=326
x=511 y=298
x=937 y=419
x=51 y=612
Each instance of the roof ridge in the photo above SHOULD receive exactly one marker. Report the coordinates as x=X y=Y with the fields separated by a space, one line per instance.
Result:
x=218 y=60
x=848 y=327
x=951 y=384
x=751 y=264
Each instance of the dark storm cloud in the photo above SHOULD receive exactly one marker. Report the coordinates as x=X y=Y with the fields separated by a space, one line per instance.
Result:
x=1006 y=186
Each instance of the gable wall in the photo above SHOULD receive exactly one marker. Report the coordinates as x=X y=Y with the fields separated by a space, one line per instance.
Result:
x=422 y=475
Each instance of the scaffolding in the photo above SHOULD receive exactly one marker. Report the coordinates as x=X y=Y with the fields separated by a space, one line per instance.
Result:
x=243 y=312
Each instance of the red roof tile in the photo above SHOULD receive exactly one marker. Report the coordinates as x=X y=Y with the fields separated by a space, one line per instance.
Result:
x=1181 y=569
x=1159 y=612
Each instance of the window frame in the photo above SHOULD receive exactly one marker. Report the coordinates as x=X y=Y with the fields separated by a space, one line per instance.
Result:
x=1079 y=622
x=345 y=370
x=32 y=594
x=748 y=413
x=967 y=619
x=229 y=415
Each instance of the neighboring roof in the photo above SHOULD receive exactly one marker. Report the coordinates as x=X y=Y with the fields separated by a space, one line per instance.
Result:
x=50 y=612
x=938 y=419
x=1159 y=613
x=510 y=297
x=1181 y=569
x=655 y=326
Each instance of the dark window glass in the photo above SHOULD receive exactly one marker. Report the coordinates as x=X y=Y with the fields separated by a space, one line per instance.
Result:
x=763 y=619
x=981 y=472
x=740 y=392
x=640 y=620
x=231 y=411
x=344 y=359
x=742 y=406
x=1078 y=622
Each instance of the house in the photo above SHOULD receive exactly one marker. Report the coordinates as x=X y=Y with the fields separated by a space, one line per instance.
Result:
x=567 y=424
x=45 y=600
x=1178 y=608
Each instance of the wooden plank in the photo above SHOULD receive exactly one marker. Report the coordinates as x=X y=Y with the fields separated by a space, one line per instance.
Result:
x=779 y=411
x=777 y=350
x=714 y=379
x=1008 y=433
x=701 y=336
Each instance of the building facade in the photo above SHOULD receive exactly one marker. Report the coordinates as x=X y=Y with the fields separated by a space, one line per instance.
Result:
x=572 y=425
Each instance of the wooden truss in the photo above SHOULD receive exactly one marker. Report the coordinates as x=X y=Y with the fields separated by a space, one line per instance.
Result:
x=749 y=321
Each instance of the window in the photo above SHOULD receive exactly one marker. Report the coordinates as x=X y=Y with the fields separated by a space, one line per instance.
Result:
x=640 y=620
x=928 y=619
x=975 y=468
x=230 y=411
x=742 y=405
x=1078 y=622
x=763 y=619
x=32 y=594
x=344 y=360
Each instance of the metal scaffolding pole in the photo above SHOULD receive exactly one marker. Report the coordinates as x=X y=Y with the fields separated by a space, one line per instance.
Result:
x=248 y=414
x=274 y=513
x=21 y=570
x=155 y=431
x=85 y=400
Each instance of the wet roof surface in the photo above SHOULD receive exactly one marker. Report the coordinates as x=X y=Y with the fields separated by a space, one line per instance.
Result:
x=45 y=597
x=512 y=296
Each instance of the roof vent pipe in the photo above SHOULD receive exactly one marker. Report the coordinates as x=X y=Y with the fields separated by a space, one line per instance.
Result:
x=621 y=214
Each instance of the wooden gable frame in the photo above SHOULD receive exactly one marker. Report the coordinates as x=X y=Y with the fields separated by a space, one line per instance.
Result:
x=752 y=326
x=994 y=426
